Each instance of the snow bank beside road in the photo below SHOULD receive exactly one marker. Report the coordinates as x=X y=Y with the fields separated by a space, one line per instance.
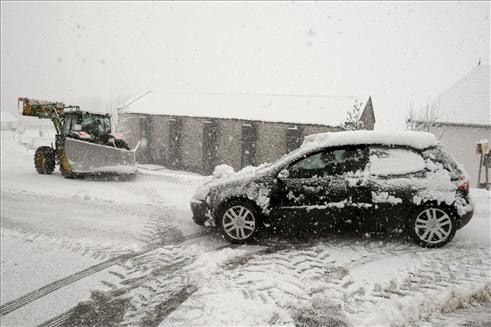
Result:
x=478 y=230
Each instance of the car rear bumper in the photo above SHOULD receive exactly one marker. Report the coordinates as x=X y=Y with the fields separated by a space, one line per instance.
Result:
x=466 y=217
x=201 y=211
x=464 y=220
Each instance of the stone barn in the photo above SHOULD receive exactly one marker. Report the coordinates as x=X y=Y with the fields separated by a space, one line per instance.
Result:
x=197 y=132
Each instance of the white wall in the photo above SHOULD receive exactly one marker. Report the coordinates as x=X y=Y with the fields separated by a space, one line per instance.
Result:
x=460 y=141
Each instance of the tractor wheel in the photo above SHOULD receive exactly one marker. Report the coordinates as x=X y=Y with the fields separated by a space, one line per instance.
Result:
x=44 y=160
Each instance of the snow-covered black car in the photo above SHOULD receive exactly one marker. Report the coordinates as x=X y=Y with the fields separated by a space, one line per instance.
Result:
x=399 y=181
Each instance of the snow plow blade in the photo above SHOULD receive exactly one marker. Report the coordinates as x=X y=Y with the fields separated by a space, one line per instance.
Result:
x=86 y=157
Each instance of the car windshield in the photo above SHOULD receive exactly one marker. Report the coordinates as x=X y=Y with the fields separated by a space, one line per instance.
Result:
x=285 y=159
x=96 y=125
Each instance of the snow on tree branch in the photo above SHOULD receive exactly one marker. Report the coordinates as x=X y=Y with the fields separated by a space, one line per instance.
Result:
x=427 y=119
x=352 y=121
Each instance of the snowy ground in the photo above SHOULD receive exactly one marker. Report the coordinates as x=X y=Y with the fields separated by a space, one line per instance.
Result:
x=106 y=252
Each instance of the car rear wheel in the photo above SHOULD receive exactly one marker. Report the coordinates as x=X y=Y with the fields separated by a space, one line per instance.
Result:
x=238 y=221
x=433 y=226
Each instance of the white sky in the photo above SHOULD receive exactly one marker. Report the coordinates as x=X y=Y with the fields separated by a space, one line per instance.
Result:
x=99 y=54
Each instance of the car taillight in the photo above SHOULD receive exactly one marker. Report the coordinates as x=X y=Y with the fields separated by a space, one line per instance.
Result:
x=463 y=183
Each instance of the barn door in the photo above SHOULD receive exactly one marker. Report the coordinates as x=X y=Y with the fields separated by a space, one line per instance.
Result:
x=293 y=138
x=144 y=154
x=249 y=139
x=210 y=146
x=175 y=146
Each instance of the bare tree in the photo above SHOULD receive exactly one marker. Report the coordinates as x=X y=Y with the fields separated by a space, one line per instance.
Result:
x=352 y=121
x=427 y=119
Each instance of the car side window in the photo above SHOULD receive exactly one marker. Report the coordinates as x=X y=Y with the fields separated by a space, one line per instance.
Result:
x=329 y=163
x=394 y=161
x=309 y=167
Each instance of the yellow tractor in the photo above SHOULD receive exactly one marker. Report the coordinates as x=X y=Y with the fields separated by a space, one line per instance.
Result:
x=84 y=143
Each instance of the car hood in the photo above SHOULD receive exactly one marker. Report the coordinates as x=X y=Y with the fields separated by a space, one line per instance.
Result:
x=245 y=176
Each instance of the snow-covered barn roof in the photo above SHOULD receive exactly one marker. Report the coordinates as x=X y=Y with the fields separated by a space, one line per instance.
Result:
x=7 y=117
x=302 y=109
x=467 y=101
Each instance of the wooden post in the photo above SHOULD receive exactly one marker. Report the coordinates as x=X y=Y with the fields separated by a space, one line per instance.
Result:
x=487 y=163
x=482 y=148
x=480 y=170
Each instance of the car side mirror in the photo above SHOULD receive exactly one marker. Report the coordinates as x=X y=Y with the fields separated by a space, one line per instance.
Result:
x=284 y=174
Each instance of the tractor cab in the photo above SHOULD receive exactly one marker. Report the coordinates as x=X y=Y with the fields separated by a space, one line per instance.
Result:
x=87 y=126
x=91 y=127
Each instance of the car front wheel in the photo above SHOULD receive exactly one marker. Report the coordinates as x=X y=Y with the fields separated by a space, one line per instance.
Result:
x=238 y=221
x=433 y=227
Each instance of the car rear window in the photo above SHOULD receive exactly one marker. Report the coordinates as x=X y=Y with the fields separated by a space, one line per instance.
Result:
x=394 y=161
x=448 y=162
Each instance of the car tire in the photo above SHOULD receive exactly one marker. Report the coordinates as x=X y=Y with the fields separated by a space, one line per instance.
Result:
x=238 y=221
x=433 y=226
x=200 y=220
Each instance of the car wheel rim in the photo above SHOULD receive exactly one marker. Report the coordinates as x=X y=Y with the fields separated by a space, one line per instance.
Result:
x=238 y=222
x=433 y=226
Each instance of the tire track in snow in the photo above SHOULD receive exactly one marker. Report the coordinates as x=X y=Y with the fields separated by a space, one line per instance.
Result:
x=56 y=285
x=159 y=273
x=45 y=290
x=162 y=232
x=160 y=227
x=70 y=317
x=475 y=314
x=85 y=248
x=299 y=265
x=450 y=278
x=433 y=283
x=288 y=278
x=14 y=206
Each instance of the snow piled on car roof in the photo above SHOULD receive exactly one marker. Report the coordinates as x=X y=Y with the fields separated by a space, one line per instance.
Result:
x=417 y=140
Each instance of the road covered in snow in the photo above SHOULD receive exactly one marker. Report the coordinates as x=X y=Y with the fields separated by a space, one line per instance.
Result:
x=126 y=252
